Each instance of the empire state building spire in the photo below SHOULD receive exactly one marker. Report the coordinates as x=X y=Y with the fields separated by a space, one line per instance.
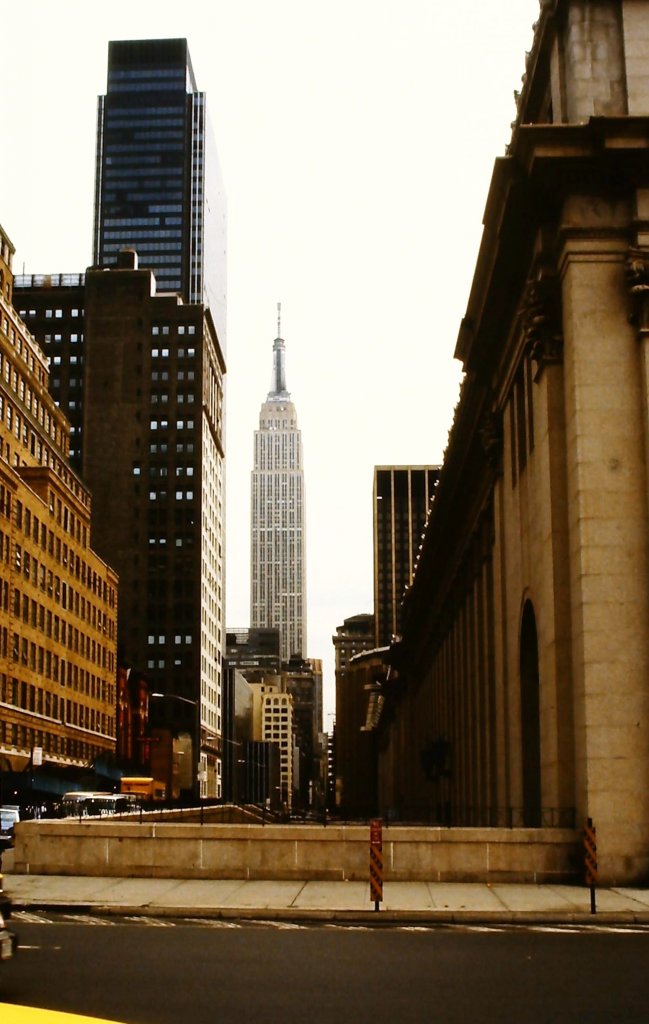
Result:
x=278 y=535
x=278 y=392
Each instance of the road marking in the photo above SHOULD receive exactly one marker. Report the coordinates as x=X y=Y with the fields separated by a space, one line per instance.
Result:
x=87 y=919
x=30 y=918
x=155 y=922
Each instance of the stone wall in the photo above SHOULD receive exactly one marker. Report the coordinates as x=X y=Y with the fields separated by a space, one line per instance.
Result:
x=279 y=852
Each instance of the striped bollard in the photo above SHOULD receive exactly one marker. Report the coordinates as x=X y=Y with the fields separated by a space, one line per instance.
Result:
x=590 y=860
x=376 y=862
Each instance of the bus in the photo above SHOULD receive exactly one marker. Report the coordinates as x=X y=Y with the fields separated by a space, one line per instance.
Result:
x=84 y=804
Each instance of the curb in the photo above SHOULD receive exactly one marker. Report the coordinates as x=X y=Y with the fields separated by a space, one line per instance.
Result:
x=382 y=918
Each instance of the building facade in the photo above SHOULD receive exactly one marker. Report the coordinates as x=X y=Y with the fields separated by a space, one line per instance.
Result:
x=255 y=652
x=278 y=526
x=302 y=680
x=158 y=185
x=154 y=388
x=402 y=497
x=355 y=635
x=52 y=306
x=520 y=689
x=149 y=374
x=272 y=723
x=58 y=599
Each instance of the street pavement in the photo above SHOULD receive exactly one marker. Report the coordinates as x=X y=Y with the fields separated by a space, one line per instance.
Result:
x=423 y=902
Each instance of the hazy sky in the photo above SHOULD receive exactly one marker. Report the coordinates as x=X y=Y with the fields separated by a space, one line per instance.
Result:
x=356 y=140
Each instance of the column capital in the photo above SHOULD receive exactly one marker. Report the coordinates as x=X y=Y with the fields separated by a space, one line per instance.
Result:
x=541 y=323
x=637 y=275
x=491 y=438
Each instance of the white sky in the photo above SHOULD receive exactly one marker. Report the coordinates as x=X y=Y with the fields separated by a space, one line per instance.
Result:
x=356 y=140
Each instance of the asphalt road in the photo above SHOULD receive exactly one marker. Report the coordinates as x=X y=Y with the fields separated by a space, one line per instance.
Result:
x=195 y=973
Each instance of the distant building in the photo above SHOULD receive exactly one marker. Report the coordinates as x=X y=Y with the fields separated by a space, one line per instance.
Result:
x=58 y=598
x=272 y=718
x=254 y=651
x=356 y=751
x=355 y=635
x=402 y=496
x=302 y=679
x=278 y=527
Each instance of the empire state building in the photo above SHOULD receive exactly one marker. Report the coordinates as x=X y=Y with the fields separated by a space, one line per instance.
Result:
x=278 y=564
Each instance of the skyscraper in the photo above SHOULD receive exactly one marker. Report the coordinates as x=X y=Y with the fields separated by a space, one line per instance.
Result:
x=278 y=562
x=158 y=186
x=153 y=458
x=402 y=496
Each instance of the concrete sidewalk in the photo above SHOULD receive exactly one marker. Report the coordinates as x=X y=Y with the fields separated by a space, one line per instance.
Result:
x=423 y=902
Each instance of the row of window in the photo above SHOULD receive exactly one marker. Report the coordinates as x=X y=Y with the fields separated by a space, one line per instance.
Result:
x=56 y=313
x=25 y=739
x=164 y=424
x=24 y=349
x=47 y=663
x=27 y=697
x=162 y=470
x=28 y=398
x=139 y=197
x=37 y=531
x=179 y=328
x=163 y=375
x=182 y=353
x=48 y=583
x=60 y=629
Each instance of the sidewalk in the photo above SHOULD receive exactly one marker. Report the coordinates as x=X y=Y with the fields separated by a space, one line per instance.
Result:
x=422 y=902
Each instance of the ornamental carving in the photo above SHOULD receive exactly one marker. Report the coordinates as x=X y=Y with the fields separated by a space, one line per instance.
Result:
x=541 y=322
x=491 y=438
x=637 y=275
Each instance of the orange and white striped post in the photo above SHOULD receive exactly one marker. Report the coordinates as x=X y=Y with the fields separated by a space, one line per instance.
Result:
x=590 y=859
x=376 y=862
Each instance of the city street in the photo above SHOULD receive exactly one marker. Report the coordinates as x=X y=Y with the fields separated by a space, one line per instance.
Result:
x=162 y=971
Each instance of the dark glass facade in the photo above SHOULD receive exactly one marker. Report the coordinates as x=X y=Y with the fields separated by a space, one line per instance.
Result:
x=158 y=184
x=402 y=496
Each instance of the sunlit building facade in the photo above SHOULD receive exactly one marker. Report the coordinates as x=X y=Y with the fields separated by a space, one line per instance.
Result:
x=58 y=599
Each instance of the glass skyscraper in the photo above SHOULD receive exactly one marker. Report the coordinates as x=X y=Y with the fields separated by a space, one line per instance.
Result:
x=158 y=185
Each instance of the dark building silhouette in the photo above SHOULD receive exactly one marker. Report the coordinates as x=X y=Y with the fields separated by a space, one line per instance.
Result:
x=402 y=496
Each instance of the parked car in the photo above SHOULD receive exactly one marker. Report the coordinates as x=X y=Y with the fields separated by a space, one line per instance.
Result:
x=8 y=939
x=9 y=816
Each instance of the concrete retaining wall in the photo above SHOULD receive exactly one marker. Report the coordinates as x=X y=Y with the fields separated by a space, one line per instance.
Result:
x=308 y=852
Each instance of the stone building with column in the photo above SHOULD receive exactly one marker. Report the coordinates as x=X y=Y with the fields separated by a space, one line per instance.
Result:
x=519 y=692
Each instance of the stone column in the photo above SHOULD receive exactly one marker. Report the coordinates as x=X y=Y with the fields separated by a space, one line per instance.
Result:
x=608 y=537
